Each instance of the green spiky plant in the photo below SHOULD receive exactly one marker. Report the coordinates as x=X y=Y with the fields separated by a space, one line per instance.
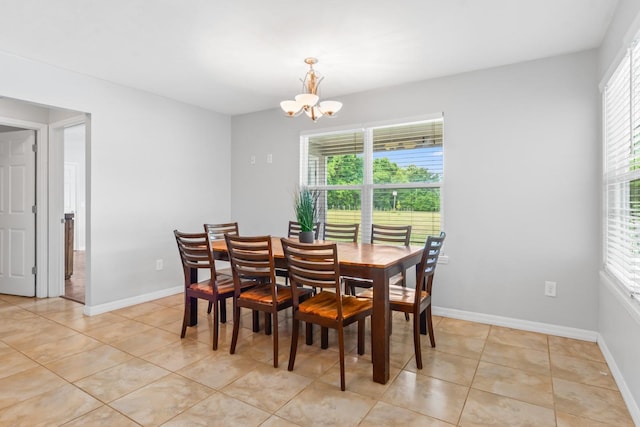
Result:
x=305 y=206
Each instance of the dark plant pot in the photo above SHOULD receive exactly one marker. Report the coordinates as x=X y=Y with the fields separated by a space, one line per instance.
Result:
x=306 y=237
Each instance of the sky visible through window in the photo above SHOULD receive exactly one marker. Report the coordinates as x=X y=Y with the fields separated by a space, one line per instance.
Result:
x=404 y=158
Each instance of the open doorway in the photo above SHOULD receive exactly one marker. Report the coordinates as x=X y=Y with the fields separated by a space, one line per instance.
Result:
x=74 y=212
x=49 y=124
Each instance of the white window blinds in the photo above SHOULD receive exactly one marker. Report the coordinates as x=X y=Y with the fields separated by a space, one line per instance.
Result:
x=622 y=172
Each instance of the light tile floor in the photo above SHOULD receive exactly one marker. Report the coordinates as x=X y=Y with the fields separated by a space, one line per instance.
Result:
x=130 y=367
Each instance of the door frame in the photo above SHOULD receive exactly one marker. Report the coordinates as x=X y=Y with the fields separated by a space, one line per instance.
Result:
x=56 y=205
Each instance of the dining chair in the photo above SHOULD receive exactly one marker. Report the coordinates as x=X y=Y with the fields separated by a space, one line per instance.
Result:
x=293 y=231
x=418 y=301
x=217 y=232
x=316 y=265
x=341 y=232
x=387 y=235
x=252 y=262
x=196 y=254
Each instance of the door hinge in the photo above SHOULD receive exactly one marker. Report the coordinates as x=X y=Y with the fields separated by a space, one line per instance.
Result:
x=34 y=147
x=34 y=270
x=34 y=209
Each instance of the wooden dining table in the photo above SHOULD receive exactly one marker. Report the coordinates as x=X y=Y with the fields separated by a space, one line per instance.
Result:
x=367 y=261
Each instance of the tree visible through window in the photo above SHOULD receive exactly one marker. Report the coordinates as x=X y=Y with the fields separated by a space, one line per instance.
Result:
x=383 y=175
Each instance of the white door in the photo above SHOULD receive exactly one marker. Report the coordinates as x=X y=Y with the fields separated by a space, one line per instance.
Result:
x=17 y=220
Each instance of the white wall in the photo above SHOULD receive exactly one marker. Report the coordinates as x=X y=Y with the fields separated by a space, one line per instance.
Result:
x=618 y=316
x=155 y=165
x=520 y=198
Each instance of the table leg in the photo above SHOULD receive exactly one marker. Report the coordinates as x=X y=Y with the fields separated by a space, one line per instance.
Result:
x=380 y=322
x=193 y=309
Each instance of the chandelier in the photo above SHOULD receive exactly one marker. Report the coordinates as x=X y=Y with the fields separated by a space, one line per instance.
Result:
x=307 y=101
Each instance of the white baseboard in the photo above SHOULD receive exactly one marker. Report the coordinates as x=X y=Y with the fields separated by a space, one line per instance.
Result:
x=632 y=406
x=525 y=325
x=138 y=299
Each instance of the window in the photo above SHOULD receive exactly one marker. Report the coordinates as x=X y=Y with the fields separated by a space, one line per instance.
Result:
x=622 y=172
x=383 y=174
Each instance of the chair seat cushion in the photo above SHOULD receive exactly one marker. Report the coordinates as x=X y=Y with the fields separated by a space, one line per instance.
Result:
x=262 y=294
x=325 y=305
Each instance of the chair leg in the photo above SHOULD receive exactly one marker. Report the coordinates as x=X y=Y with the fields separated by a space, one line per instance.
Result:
x=361 y=325
x=404 y=285
x=223 y=310
x=294 y=343
x=214 y=325
x=275 y=338
x=309 y=333
x=416 y=340
x=256 y=321
x=236 y=328
x=267 y=323
x=187 y=315
x=324 y=337
x=341 y=346
x=432 y=338
x=423 y=323
x=209 y=308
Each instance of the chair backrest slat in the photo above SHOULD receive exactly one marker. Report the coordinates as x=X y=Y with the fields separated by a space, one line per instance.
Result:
x=217 y=231
x=195 y=253
x=313 y=265
x=341 y=232
x=295 y=229
x=391 y=234
x=251 y=257
x=427 y=267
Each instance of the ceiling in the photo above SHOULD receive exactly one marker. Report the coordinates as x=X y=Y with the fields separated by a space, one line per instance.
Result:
x=242 y=56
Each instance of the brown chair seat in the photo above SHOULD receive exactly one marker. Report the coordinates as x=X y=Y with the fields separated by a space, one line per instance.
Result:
x=263 y=294
x=225 y=285
x=398 y=296
x=324 y=305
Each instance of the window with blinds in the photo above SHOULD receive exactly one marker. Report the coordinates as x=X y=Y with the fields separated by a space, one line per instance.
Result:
x=389 y=175
x=622 y=172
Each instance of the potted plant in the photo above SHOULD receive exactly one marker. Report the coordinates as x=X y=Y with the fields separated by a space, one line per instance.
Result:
x=305 y=206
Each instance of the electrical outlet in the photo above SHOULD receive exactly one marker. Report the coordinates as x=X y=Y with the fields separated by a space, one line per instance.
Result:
x=253 y=160
x=550 y=289
x=159 y=264
x=269 y=158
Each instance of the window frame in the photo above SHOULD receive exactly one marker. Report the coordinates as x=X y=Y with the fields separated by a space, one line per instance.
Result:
x=621 y=259
x=368 y=187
